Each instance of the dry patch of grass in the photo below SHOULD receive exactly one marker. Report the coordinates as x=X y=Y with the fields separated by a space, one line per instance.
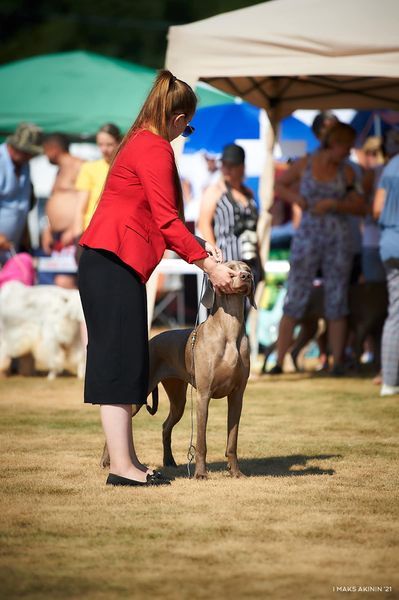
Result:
x=319 y=508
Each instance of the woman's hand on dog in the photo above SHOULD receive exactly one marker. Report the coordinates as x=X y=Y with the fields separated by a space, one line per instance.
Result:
x=214 y=251
x=220 y=276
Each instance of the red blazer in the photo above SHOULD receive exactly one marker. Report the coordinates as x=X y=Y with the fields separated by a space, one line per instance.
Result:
x=137 y=217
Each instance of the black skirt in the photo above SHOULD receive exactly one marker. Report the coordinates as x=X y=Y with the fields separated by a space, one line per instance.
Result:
x=115 y=308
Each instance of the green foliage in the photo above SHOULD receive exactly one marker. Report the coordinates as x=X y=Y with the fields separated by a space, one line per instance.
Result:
x=129 y=29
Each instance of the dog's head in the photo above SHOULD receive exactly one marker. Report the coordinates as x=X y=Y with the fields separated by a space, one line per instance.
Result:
x=242 y=283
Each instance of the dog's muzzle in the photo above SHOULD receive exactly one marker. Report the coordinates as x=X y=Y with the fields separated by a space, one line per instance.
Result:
x=245 y=276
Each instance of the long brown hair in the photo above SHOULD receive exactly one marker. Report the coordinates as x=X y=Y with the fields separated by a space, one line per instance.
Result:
x=168 y=96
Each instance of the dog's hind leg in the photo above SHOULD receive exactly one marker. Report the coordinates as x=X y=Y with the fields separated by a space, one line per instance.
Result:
x=234 y=413
x=176 y=391
x=105 y=460
x=307 y=332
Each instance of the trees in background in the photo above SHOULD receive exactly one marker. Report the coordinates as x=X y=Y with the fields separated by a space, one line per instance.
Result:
x=131 y=29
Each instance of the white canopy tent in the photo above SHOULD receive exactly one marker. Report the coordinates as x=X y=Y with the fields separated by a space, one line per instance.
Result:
x=287 y=54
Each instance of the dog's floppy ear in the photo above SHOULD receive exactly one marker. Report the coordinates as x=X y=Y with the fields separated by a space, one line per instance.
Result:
x=209 y=296
x=251 y=295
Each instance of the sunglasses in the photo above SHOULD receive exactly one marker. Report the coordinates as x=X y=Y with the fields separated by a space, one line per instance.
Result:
x=189 y=129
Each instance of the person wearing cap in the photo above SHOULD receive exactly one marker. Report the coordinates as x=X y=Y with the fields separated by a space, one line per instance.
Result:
x=229 y=215
x=386 y=210
x=15 y=183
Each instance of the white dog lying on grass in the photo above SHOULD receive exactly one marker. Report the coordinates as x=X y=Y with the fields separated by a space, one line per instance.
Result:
x=44 y=321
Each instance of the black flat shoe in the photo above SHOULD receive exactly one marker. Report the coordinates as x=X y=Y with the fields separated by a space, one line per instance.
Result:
x=151 y=480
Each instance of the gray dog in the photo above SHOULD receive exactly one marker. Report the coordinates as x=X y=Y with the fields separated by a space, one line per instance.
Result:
x=214 y=358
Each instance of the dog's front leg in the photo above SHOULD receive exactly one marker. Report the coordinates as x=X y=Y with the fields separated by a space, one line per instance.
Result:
x=200 y=449
x=234 y=401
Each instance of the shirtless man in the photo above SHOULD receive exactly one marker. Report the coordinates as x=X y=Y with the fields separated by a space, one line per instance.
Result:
x=61 y=206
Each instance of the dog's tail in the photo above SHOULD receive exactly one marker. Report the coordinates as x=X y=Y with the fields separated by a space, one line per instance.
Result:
x=155 y=397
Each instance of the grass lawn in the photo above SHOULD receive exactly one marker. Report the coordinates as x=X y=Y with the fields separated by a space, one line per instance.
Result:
x=319 y=508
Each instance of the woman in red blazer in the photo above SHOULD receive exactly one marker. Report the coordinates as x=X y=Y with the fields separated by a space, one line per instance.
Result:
x=139 y=215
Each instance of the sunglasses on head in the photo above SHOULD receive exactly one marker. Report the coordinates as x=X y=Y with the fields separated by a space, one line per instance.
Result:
x=189 y=129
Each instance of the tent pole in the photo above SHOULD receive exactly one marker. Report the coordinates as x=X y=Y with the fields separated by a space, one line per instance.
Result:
x=377 y=124
x=266 y=193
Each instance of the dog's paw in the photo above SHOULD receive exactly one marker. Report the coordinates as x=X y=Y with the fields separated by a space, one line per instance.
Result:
x=236 y=474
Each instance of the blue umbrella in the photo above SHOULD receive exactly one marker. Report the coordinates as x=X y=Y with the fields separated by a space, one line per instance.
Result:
x=216 y=126
x=373 y=122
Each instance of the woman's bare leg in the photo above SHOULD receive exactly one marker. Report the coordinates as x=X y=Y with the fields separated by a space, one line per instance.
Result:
x=336 y=339
x=117 y=424
x=285 y=336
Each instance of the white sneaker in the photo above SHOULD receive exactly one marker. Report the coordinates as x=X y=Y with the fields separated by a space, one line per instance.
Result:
x=389 y=390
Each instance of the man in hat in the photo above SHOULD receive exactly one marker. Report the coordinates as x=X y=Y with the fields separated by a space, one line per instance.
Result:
x=15 y=184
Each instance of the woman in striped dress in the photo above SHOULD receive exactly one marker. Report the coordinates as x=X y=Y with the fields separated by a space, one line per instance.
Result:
x=229 y=215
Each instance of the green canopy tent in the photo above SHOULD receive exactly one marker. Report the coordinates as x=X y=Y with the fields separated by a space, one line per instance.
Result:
x=77 y=92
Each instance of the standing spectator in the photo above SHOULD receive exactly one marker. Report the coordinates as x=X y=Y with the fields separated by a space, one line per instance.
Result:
x=229 y=215
x=15 y=184
x=284 y=229
x=91 y=179
x=386 y=209
x=373 y=162
x=327 y=195
x=321 y=125
x=61 y=206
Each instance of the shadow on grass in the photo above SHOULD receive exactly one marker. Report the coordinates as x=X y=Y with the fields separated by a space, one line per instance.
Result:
x=361 y=372
x=274 y=466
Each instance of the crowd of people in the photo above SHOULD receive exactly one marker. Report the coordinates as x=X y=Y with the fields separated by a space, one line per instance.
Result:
x=339 y=215
x=343 y=235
